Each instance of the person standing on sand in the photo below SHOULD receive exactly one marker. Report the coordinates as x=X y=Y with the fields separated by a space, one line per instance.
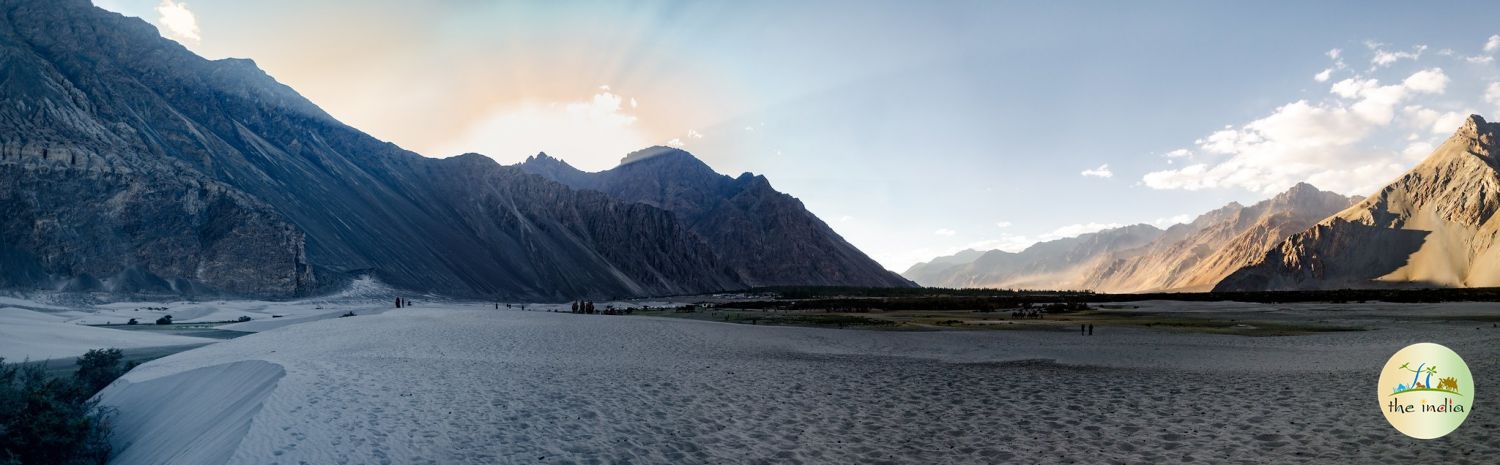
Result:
x=1080 y=329
x=1091 y=329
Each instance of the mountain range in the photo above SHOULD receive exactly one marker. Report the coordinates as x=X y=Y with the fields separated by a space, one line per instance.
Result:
x=1434 y=226
x=1188 y=257
x=130 y=164
x=731 y=214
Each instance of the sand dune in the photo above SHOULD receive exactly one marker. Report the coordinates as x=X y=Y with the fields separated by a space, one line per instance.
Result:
x=468 y=384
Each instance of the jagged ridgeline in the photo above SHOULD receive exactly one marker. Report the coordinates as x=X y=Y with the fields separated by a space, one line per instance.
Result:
x=1434 y=227
x=129 y=164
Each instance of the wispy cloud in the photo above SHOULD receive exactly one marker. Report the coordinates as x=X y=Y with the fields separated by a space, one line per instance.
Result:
x=945 y=232
x=179 y=22
x=1101 y=172
x=1321 y=142
x=1384 y=57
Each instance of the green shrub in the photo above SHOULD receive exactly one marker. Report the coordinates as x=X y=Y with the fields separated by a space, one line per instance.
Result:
x=47 y=421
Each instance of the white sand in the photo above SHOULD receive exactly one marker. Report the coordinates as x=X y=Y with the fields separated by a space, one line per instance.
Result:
x=26 y=334
x=468 y=384
x=32 y=328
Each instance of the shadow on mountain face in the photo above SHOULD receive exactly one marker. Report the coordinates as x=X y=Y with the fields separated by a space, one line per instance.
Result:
x=1330 y=256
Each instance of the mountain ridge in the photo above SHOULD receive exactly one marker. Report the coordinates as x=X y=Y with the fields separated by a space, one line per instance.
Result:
x=1184 y=257
x=209 y=176
x=1434 y=226
x=778 y=242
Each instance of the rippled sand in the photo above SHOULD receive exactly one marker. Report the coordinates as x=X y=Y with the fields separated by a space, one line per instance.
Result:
x=465 y=384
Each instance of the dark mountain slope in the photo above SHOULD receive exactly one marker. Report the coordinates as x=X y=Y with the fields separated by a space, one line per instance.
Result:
x=768 y=237
x=119 y=125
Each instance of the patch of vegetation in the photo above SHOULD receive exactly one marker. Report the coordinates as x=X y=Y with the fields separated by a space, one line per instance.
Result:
x=793 y=319
x=51 y=420
x=1007 y=298
x=817 y=292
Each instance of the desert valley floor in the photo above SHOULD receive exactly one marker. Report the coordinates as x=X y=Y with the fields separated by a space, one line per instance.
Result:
x=466 y=383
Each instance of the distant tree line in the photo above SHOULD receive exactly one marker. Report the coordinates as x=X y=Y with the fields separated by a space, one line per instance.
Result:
x=815 y=292
x=939 y=298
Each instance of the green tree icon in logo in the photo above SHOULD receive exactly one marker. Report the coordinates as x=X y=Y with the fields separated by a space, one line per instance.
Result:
x=1449 y=385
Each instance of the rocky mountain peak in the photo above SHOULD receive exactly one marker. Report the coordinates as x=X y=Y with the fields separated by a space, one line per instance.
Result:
x=1303 y=194
x=767 y=236
x=660 y=154
x=542 y=159
x=1474 y=127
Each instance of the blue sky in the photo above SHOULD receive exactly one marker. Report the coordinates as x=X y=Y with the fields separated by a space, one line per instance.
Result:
x=914 y=129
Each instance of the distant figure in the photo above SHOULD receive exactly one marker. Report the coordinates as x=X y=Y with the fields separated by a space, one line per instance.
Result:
x=1091 y=329
x=575 y=306
x=497 y=305
x=398 y=302
x=1080 y=329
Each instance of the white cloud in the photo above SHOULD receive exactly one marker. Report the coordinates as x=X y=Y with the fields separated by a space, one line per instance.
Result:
x=180 y=23
x=1101 y=172
x=1386 y=58
x=1323 y=76
x=845 y=219
x=1493 y=44
x=1002 y=224
x=1317 y=142
x=1432 y=81
x=675 y=142
x=1337 y=56
x=945 y=232
x=633 y=103
x=694 y=134
x=1416 y=151
x=1480 y=60
x=1433 y=121
x=1179 y=153
x=1492 y=94
x=591 y=134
